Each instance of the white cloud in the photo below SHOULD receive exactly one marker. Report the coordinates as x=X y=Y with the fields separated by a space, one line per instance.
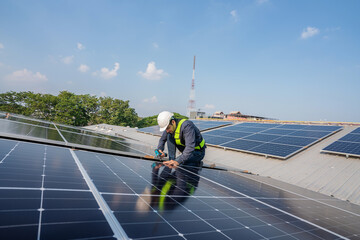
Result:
x=153 y=99
x=107 y=74
x=152 y=73
x=68 y=60
x=155 y=45
x=234 y=15
x=261 y=1
x=103 y=94
x=1 y=45
x=309 y=32
x=83 y=68
x=80 y=46
x=209 y=106
x=26 y=76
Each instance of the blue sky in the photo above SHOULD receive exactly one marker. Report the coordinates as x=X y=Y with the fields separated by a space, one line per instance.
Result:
x=288 y=60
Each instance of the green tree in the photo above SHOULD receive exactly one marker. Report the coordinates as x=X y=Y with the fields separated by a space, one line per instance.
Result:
x=69 y=110
x=117 y=112
x=13 y=102
x=42 y=106
x=91 y=107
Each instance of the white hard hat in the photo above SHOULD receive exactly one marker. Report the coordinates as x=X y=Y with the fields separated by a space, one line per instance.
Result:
x=164 y=120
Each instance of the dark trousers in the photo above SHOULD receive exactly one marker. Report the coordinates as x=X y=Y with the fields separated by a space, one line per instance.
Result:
x=195 y=158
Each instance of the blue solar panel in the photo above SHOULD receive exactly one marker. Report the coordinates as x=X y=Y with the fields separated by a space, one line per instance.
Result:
x=355 y=138
x=262 y=137
x=277 y=131
x=313 y=134
x=218 y=132
x=292 y=126
x=242 y=144
x=273 y=149
x=298 y=141
x=236 y=134
x=286 y=139
x=217 y=140
x=322 y=128
x=356 y=130
x=348 y=145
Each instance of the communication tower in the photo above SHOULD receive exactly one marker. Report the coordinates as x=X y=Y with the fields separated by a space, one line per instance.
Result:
x=191 y=105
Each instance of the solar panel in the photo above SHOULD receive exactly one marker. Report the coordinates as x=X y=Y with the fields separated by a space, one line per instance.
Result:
x=201 y=124
x=275 y=140
x=43 y=194
x=349 y=145
x=69 y=136
x=57 y=193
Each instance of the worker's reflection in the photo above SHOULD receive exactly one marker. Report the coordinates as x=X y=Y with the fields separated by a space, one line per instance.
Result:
x=170 y=187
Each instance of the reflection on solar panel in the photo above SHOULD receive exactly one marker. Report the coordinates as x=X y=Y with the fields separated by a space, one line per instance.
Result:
x=202 y=125
x=349 y=145
x=275 y=140
x=47 y=132
x=50 y=192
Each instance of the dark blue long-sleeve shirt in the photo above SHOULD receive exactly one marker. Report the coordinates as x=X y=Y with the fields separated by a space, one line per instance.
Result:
x=190 y=136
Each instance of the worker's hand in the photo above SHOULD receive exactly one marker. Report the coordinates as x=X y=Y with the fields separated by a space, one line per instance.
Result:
x=162 y=154
x=171 y=164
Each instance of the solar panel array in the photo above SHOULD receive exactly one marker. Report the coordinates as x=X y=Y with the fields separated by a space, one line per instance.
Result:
x=49 y=192
x=59 y=134
x=348 y=145
x=275 y=140
x=201 y=124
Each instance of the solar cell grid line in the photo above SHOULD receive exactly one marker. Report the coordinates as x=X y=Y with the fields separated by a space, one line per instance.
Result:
x=277 y=209
x=119 y=232
x=313 y=208
x=142 y=166
x=136 y=173
x=134 y=192
x=25 y=212
x=196 y=214
x=232 y=209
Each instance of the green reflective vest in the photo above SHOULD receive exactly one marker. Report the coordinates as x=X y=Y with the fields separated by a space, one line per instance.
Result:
x=177 y=136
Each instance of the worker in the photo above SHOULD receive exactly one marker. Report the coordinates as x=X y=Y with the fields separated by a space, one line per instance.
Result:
x=183 y=135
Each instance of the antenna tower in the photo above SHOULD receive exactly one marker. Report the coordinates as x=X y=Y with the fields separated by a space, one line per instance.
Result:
x=191 y=106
